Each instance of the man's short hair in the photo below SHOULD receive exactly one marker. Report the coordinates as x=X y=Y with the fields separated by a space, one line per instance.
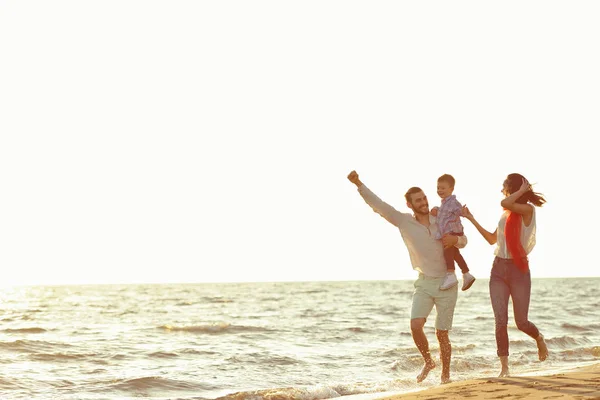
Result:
x=410 y=192
x=449 y=179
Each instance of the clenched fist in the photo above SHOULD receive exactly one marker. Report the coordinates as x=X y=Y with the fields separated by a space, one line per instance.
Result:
x=353 y=177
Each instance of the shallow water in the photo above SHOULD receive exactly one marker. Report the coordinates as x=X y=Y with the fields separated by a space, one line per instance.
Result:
x=307 y=340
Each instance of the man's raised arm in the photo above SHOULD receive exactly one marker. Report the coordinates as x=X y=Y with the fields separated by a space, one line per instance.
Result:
x=388 y=212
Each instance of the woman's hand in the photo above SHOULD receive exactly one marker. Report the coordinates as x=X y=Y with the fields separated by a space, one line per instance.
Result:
x=525 y=186
x=466 y=213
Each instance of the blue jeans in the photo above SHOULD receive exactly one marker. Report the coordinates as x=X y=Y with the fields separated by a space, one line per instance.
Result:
x=507 y=281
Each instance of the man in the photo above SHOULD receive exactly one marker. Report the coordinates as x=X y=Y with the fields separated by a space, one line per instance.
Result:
x=427 y=257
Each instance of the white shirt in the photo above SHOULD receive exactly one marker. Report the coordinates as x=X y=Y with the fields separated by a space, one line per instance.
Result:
x=426 y=253
x=527 y=236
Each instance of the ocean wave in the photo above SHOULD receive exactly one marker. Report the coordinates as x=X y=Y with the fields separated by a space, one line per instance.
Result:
x=389 y=310
x=471 y=364
x=163 y=354
x=577 y=311
x=407 y=363
x=106 y=359
x=358 y=329
x=24 y=330
x=119 y=356
x=456 y=349
x=58 y=357
x=62 y=383
x=283 y=394
x=310 y=313
x=9 y=384
x=566 y=341
x=263 y=359
x=411 y=351
x=270 y=298
x=321 y=392
x=32 y=346
x=154 y=383
x=185 y=303
x=415 y=363
x=199 y=352
x=395 y=352
x=520 y=343
x=310 y=291
x=216 y=299
x=577 y=328
x=213 y=329
x=95 y=371
x=579 y=353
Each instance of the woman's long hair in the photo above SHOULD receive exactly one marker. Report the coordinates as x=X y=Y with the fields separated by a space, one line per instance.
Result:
x=512 y=229
x=514 y=182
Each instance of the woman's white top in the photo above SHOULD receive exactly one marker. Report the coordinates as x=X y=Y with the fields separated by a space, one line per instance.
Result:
x=527 y=236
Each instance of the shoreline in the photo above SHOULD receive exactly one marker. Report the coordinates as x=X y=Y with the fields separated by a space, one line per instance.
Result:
x=576 y=383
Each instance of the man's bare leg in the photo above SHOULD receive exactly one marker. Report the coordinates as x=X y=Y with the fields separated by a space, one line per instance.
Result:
x=504 y=362
x=445 y=353
x=416 y=328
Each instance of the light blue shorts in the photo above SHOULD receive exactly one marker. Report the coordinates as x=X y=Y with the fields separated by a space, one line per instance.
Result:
x=428 y=294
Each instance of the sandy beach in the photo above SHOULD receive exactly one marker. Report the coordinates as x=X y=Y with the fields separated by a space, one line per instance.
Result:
x=581 y=383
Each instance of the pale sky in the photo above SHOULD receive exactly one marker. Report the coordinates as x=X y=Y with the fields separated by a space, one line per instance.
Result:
x=200 y=141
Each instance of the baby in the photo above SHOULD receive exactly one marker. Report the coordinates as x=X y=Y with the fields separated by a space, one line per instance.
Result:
x=448 y=220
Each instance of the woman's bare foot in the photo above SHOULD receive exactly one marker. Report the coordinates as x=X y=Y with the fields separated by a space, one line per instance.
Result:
x=429 y=365
x=504 y=362
x=542 y=348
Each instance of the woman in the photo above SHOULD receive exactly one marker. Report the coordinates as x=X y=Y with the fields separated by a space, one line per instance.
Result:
x=510 y=277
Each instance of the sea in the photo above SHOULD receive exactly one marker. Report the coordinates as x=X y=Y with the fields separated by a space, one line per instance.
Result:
x=267 y=341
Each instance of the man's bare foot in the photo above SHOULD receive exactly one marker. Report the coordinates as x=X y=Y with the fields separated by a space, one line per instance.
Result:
x=504 y=373
x=445 y=379
x=429 y=365
x=542 y=348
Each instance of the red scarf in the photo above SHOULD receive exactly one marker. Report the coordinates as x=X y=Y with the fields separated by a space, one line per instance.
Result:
x=512 y=233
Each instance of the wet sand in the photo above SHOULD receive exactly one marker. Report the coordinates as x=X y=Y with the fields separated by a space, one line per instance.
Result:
x=581 y=383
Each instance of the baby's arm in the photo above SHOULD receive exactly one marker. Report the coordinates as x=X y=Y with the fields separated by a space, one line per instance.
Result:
x=455 y=210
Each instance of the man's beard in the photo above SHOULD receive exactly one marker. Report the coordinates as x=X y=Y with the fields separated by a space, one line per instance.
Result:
x=422 y=210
